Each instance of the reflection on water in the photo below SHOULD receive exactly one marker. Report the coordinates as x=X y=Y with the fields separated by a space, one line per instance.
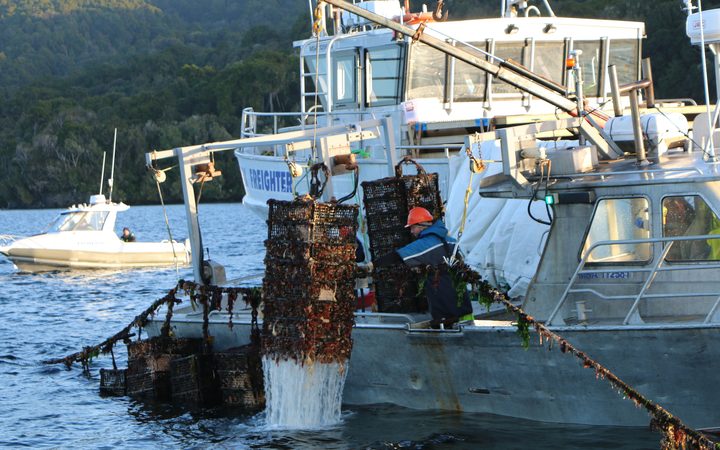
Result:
x=54 y=314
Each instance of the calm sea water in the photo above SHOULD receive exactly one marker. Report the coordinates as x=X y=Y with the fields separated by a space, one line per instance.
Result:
x=54 y=314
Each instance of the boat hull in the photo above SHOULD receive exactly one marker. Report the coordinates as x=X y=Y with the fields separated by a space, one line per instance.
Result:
x=91 y=250
x=484 y=368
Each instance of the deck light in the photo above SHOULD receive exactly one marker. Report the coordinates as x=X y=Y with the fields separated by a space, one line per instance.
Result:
x=570 y=62
x=570 y=197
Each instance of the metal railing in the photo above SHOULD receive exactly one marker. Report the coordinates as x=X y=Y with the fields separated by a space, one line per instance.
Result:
x=657 y=267
x=249 y=120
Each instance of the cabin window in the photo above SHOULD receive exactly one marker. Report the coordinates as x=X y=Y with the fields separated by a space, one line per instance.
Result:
x=427 y=73
x=590 y=64
x=508 y=50
x=469 y=82
x=312 y=73
x=619 y=219
x=79 y=221
x=690 y=215
x=383 y=66
x=624 y=55
x=549 y=57
x=345 y=80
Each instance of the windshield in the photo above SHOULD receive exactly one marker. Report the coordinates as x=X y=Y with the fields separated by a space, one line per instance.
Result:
x=78 y=221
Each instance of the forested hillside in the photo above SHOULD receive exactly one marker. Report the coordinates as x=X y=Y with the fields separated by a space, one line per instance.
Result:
x=175 y=72
x=164 y=72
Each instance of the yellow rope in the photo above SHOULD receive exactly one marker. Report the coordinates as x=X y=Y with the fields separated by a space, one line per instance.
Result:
x=476 y=166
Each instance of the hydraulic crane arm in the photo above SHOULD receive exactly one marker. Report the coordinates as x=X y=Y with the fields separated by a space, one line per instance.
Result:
x=507 y=71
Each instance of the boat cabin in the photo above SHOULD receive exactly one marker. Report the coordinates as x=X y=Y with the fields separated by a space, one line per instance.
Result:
x=99 y=215
x=358 y=71
x=628 y=244
x=363 y=70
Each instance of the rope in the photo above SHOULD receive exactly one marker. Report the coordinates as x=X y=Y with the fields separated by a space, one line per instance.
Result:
x=675 y=433
x=476 y=166
x=88 y=353
x=209 y=296
x=167 y=226
x=318 y=26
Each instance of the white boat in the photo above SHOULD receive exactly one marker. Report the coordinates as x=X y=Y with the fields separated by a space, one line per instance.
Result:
x=358 y=71
x=629 y=269
x=83 y=237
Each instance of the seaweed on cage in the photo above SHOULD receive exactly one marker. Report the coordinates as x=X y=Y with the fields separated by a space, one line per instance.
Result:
x=309 y=279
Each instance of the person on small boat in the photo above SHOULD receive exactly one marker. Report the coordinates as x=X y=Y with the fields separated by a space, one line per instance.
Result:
x=431 y=247
x=127 y=235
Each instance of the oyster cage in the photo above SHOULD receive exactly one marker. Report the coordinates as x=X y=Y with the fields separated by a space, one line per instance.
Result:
x=308 y=288
x=178 y=370
x=387 y=202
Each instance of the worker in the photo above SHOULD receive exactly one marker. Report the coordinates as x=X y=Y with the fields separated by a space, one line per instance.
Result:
x=127 y=235
x=432 y=247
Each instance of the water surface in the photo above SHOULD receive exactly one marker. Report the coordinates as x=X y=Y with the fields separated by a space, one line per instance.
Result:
x=54 y=314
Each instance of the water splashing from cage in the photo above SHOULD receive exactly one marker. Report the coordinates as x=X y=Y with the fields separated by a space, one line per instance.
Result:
x=303 y=396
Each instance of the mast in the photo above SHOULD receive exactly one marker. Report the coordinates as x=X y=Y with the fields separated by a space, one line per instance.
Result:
x=102 y=173
x=112 y=168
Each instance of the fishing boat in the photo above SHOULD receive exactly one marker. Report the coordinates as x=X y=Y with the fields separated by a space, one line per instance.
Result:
x=628 y=269
x=83 y=237
x=356 y=70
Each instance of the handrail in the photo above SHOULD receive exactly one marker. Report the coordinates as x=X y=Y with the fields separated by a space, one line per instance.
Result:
x=633 y=172
x=250 y=130
x=657 y=267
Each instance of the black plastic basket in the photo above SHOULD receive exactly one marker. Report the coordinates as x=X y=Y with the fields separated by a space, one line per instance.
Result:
x=113 y=382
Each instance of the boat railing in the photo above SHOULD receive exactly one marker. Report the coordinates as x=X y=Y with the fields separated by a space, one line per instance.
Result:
x=659 y=266
x=279 y=122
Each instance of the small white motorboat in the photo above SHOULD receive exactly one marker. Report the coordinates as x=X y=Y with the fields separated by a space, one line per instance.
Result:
x=83 y=237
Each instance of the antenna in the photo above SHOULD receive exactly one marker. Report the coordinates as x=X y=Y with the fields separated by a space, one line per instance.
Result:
x=102 y=173
x=112 y=167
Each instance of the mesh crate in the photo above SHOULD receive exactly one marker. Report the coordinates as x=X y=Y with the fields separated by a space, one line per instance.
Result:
x=113 y=382
x=423 y=191
x=304 y=270
x=193 y=380
x=239 y=376
x=242 y=398
x=149 y=365
x=386 y=242
x=149 y=385
x=388 y=188
x=308 y=221
x=335 y=213
x=391 y=221
x=298 y=210
x=162 y=345
x=387 y=202
x=290 y=231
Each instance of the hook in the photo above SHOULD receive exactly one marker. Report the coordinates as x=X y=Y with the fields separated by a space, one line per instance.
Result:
x=438 y=15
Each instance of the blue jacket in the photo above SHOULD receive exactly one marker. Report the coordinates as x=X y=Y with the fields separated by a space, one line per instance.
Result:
x=429 y=249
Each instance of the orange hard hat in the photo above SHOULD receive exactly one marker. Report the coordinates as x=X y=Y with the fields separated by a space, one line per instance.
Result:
x=418 y=215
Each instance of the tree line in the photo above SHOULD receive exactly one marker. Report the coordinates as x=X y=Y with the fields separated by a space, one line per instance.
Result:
x=168 y=73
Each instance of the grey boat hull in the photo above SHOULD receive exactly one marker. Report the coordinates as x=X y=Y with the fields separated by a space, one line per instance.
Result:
x=484 y=368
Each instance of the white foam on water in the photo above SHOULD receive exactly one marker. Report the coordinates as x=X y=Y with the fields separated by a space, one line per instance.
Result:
x=302 y=396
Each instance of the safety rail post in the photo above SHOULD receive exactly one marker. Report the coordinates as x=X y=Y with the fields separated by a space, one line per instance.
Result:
x=648 y=282
x=579 y=268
